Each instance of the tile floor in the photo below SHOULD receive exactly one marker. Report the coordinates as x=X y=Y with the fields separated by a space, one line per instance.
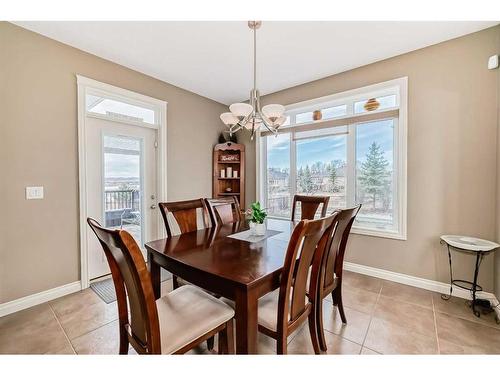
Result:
x=383 y=318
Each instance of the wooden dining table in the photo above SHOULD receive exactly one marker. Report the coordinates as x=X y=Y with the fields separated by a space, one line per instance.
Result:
x=239 y=270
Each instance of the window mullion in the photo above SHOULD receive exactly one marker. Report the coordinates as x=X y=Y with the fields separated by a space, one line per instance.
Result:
x=351 y=167
x=293 y=166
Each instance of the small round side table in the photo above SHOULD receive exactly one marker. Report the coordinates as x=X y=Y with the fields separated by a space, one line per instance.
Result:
x=473 y=246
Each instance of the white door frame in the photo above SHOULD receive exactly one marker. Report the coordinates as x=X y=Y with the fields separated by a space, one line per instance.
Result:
x=85 y=85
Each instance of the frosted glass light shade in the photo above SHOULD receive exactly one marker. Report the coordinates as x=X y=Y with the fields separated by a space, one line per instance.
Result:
x=279 y=121
x=258 y=122
x=228 y=118
x=241 y=110
x=273 y=111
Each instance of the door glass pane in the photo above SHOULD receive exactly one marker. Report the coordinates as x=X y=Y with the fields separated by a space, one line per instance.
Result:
x=321 y=169
x=122 y=184
x=375 y=183
x=278 y=175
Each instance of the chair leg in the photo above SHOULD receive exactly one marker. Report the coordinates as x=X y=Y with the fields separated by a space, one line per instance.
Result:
x=281 y=345
x=230 y=337
x=175 y=283
x=123 y=340
x=210 y=343
x=319 y=325
x=338 y=293
x=313 y=330
x=226 y=339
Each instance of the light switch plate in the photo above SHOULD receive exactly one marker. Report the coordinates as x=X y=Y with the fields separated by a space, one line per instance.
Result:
x=493 y=62
x=34 y=192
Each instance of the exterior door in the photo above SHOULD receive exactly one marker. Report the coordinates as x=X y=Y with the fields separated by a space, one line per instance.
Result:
x=121 y=184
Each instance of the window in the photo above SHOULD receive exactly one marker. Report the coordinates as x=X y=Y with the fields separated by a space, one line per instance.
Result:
x=354 y=152
x=120 y=110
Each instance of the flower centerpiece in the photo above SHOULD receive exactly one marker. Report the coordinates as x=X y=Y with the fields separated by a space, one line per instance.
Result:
x=257 y=217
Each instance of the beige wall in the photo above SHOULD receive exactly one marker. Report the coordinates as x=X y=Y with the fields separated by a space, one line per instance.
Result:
x=452 y=162
x=38 y=146
x=497 y=254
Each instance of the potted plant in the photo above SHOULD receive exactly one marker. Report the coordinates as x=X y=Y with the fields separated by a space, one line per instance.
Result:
x=257 y=217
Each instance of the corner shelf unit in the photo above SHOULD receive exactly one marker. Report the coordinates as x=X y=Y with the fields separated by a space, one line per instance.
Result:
x=229 y=155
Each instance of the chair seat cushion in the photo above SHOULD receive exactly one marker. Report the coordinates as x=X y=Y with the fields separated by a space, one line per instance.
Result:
x=186 y=314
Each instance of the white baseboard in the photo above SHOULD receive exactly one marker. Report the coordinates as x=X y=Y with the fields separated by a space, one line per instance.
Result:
x=435 y=286
x=38 y=298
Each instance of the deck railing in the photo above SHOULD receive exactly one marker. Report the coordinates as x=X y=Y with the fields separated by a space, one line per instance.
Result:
x=121 y=199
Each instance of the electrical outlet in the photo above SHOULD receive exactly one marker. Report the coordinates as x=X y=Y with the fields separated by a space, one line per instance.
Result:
x=34 y=192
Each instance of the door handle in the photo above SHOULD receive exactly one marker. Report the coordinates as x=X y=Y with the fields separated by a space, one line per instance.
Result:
x=153 y=206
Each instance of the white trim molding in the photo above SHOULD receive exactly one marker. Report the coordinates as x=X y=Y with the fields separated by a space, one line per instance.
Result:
x=39 y=298
x=87 y=85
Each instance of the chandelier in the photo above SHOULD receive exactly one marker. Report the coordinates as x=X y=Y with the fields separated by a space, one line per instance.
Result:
x=252 y=116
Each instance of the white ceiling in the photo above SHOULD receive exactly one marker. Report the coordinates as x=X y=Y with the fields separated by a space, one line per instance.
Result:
x=214 y=59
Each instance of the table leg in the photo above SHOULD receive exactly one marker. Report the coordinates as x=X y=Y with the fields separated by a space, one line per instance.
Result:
x=155 y=272
x=444 y=296
x=474 y=284
x=246 y=322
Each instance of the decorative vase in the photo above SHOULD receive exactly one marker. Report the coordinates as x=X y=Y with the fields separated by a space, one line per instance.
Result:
x=260 y=229
x=371 y=105
x=257 y=229
x=317 y=115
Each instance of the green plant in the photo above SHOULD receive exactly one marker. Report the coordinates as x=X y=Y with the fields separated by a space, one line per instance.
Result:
x=257 y=213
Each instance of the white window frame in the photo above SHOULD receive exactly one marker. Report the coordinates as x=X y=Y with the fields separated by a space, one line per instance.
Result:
x=398 y=86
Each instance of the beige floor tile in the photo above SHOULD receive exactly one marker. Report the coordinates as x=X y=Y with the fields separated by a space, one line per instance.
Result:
x=74 y=302
x=407 y=293
x=103 y=340
x=389 y=338
x=87 y=318
x=446 y=347
x=366 y=351
x=458 y=307
x=359 y=299
x=33 y=331
x=465 y=333
x=356 y=327
x=414 y=317
x=357 y=280
x=301 y=344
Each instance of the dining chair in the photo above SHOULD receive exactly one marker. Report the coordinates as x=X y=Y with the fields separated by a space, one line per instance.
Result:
x=284 y=310
x=223 y=210
x=188 y=216
x=309 y=206
x=173 y=324
x=330 y=278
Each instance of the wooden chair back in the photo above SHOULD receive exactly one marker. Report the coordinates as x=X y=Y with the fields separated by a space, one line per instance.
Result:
x=309 y=206
x=223 y=210
x=131 y=278
x=185 y=213
x=309 y=239
x=333 y=258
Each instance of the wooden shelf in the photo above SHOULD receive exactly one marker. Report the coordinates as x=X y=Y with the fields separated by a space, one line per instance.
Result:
x=232 y=151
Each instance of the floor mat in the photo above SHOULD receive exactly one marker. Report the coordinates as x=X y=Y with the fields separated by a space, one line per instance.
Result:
x=104 y=289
